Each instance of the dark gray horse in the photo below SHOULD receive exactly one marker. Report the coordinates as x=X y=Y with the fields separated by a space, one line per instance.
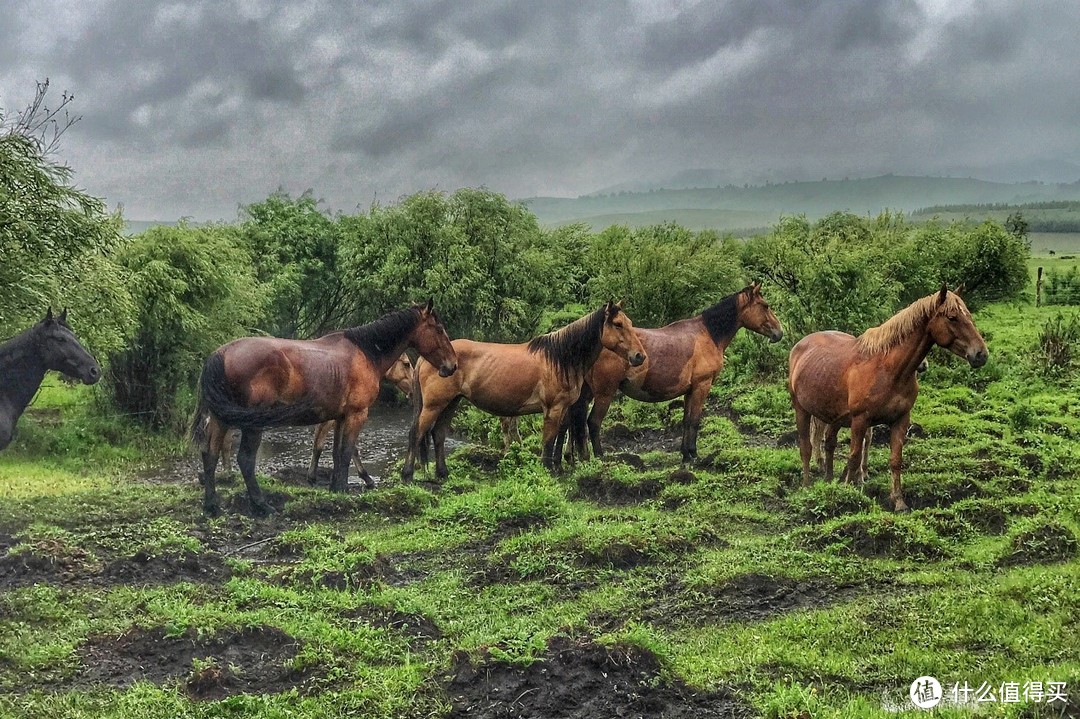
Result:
x=25 y=358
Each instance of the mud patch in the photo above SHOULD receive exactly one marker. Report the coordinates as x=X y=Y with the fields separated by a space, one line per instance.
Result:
x=578 y=679
x=609 y=490
x=240 y=504
x=145 y=568
x=46 y=562
x=620 y=438
x=746 y=598
x=253 y=660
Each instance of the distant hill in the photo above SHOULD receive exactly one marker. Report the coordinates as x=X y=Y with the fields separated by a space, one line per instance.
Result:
x=735 y=208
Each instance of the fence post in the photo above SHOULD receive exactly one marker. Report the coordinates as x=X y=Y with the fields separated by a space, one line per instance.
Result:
x=1038 y=287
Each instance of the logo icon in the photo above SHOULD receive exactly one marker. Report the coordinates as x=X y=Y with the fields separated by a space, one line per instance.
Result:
x=925 y=692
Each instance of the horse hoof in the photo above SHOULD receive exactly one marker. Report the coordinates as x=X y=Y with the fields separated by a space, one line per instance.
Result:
x=212 y=509
x=262 y=508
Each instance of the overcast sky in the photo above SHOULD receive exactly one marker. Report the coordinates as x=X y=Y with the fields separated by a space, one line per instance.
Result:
x=193 y=108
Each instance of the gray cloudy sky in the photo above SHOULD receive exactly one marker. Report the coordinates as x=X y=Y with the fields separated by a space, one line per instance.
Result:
x=191 y=108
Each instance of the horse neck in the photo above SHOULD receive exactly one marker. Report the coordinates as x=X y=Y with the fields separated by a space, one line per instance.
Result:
x=385 y=362
x=906 y=356
x=21 y=372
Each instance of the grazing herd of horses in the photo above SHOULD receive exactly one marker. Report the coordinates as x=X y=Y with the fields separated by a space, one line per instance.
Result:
x=253 y=383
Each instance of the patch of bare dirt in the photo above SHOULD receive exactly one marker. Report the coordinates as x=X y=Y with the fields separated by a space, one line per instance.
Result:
x=253 y=660
x=578 y=679
x=187 y=566
x=746 y=598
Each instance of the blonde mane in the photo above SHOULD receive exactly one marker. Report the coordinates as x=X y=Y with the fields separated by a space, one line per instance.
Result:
x=897 y=328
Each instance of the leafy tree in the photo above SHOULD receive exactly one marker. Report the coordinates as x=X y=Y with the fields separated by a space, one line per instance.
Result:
x=295 y=250
x=490 y=268
x=664 y=272
x=194 y=289
x=55 y=240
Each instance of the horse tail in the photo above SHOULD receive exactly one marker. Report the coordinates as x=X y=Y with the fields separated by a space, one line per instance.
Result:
x=219 y=399
x=198 y=422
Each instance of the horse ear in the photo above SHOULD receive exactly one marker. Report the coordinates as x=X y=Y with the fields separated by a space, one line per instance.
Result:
x=959 y=289
x=63 y=316
x=48 y=314
x=620 y=304
x=755 y=288
x=943 y=294
x=429 y=306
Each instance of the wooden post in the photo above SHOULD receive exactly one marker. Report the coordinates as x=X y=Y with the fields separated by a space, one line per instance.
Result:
x=1038 y=287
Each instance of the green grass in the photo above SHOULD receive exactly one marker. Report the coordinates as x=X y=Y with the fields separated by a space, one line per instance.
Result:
x=812 y=601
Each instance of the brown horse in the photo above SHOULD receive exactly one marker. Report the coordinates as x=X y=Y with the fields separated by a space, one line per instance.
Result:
x=258 y=382
x=684 y=359
x=871 y=379
x=400 y=375
x=819 y=427
x=509 y=380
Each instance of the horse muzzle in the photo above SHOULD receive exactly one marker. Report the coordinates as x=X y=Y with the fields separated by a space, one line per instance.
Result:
x=90 y=375
x=636 y=359
x=978 y=359
x=447 y=368
x=776 y=335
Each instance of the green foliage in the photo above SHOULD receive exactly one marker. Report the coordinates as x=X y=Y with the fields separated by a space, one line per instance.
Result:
x=55 y=239
x=194 y=290
x=664 y=272
x=828 y=500
x=834 y=274
x=490 y=268
x=294 y=248
x=1062 y=288
x=1056 y=354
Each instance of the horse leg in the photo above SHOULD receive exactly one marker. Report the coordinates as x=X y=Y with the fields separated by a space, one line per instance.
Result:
x=316 y=449
x=348 y=427
x=853 y=472
x=418 y=435
x=510 y=433
x=802 y=427
x=361 y=470
x=215 y=436
x=438 y=437
x=896 y=459
x=866 y=453
x=693 y=406
x=600 y=407
x=817 y=439
x=829 y=447
x=245 y=458
x=227 y=446
x=553 y=420
x=579 y=425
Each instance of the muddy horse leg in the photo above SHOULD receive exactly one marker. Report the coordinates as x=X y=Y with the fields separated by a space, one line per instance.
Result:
x=418 y=434
x=853 y=471
x=317 y=446
x=693 y=406
x=817 y=439
x=438 y=437
x=896 y=460
x=553 y=420
x=866 y=452
x=578 y=420
x=215 y=437
x=802 y=428
x=245 y=458
x=361 y=470
x=600 y=407
x=348 y=427
x=829 y=448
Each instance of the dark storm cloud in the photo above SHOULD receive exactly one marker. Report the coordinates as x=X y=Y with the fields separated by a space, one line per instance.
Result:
x=230 y=99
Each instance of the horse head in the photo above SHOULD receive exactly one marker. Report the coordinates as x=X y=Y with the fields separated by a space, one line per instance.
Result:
x=756 y=315
x=60 y=349
x=432 y=342
x=618 y=335
x=951 y=327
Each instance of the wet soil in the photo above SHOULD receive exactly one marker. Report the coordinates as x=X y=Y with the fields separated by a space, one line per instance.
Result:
x=39 y=566
x=578 y=679
x=745 y=598
x=251 y=660
x=418 y=630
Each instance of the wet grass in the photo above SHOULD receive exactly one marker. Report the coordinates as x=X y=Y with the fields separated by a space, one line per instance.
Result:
x=118 y=598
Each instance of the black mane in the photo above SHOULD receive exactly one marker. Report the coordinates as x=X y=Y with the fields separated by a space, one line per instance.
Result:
x=574 y=348
x=381 y=337
x=722 y=319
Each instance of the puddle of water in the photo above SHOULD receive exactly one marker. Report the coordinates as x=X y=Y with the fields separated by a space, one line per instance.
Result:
x=383 y=442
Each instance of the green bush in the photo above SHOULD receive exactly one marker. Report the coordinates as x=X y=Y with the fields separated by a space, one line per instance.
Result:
x=194 y=290
x=663 y=272
x=1056 y=353
x=1062 y=288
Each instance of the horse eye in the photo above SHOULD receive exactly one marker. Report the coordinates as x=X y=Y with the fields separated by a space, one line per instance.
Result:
x=617 y=325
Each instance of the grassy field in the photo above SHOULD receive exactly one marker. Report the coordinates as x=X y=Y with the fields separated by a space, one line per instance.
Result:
x=629 y=587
